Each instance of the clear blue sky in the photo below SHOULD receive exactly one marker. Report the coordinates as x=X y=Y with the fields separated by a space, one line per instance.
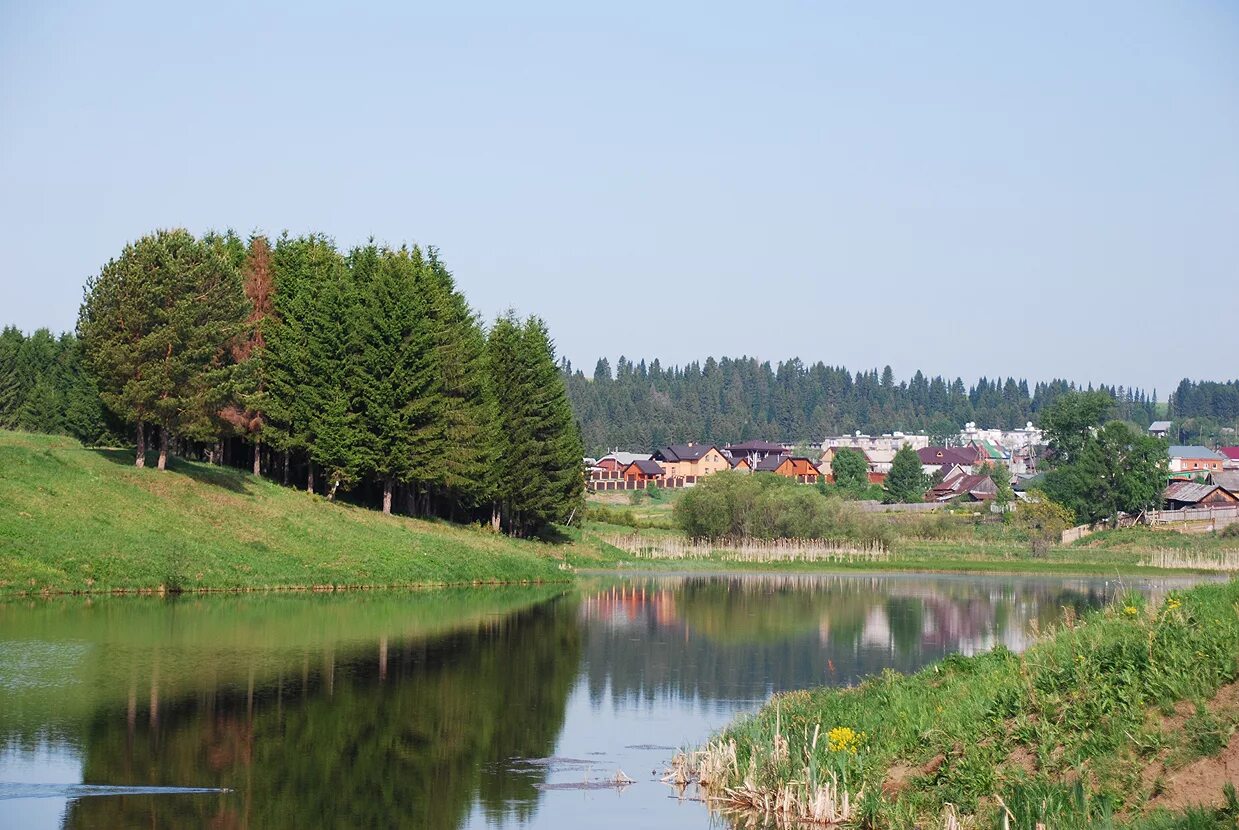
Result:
x=1038 y=190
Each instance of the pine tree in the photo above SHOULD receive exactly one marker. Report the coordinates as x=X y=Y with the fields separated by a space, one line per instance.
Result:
x=154 y=325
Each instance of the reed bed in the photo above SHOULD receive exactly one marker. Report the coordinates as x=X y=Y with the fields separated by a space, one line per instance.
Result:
x=1219 y=560
x=749 y=550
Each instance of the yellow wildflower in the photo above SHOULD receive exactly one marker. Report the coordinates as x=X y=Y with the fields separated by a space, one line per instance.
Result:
x=844 y=739
x=1130 y=610
x=1173 y=603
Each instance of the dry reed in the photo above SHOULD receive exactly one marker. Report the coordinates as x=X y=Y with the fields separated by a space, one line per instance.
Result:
x=1222 y=560
x=748 y=550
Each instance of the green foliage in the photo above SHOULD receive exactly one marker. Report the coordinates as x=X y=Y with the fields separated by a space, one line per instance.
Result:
x=1001 y=476
x=906 y=482
x=731 y=505
x=1043 y=518
x=1114 y=470
x=1069 y=423
x=46 y=387
x=850 y=470
x=155 y=325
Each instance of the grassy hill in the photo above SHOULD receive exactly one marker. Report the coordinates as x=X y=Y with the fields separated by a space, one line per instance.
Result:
x=79 y=519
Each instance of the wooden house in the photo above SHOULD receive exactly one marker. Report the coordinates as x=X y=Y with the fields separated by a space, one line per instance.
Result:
x=643 y=471
x=691 y=460
x=1185 y=494
x=794 y=467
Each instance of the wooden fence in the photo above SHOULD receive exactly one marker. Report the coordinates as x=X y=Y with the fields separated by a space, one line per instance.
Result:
x=870 y=506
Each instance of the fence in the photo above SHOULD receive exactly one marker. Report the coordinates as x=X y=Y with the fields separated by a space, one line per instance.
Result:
x=1194 y=519
x=606 y=482
x=1191 y=514
x=870 y=506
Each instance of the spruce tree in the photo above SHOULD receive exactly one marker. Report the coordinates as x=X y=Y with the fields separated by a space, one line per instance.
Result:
x=300 y=267
x=397 y=377
x=906 y=482
x=460 y=359
x=335 y=438
x=539 y=474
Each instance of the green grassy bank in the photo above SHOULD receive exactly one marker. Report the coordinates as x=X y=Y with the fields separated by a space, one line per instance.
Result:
x=80 y=519
x=1126 y=717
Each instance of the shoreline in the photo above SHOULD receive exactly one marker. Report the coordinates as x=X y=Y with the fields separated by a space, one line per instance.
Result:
x=1131 y=692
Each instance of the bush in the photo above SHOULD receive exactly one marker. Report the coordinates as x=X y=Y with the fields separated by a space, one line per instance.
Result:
x=1231 y=531
x=731 y=505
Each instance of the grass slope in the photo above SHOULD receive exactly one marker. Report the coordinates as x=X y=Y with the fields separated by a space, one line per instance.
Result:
x=79 y=519
x=1122 y=719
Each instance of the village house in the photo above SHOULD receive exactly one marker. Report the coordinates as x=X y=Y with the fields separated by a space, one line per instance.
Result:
x=691 y=460
x=794 y=467
x=828 y=456
x=643 y=470
x=887 y=441
x=966 y=487
x=755 y=450
x=1158 y=429
x=1230 y=457
x=1193 y=459
x=934 y=459
x=741 y=465
x=617 y=461
x=1181 y=495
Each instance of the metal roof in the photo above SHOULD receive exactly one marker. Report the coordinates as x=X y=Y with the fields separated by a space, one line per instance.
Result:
x=1159 y=426
x=1188 y=491
x=1193 y=451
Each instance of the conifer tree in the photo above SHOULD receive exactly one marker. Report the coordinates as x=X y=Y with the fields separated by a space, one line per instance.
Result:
x=154 y=325
x=300 y=267
x=246 y=411
x=397 y=376
x=539 y=473
x=460 y=359
x=336 y=440
x=906 y=482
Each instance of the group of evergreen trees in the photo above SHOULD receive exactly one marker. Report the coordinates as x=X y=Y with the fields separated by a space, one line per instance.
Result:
x=640 y=405
x=365 y=372
x=44 y=387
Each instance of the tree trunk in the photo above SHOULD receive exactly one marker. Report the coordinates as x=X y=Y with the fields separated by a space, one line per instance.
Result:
x=163 y=447
x=257 y=457
x=286 y=454
x=309 y=477
x=387 y=489
x=140 y=459
x=331 y=494
x=494 y=517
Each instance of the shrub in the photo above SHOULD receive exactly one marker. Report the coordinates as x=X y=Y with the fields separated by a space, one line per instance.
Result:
x=730 y=505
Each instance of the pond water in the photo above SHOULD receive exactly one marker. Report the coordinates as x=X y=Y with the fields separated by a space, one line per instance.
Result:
x=484 y=708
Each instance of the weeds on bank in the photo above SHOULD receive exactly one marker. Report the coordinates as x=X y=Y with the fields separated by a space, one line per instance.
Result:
x=1060 y=736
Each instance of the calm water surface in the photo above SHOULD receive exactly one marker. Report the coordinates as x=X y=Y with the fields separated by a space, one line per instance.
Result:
x=453 y=709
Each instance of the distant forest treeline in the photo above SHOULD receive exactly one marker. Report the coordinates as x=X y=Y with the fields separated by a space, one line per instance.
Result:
x=640 y=405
